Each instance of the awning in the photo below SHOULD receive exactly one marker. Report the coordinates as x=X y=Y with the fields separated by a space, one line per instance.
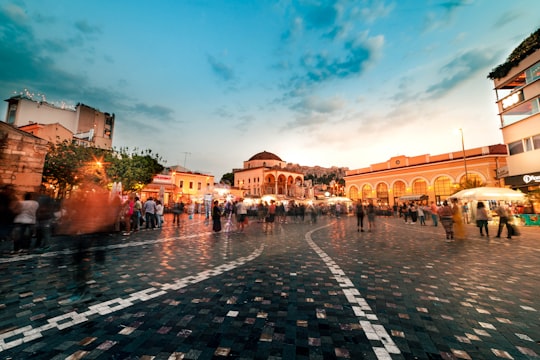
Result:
x=489 y=193
x=413 y=197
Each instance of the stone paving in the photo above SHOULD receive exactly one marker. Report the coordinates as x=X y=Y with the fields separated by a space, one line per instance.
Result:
x=296 y=291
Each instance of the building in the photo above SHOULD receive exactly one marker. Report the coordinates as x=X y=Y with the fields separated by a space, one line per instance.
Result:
x=88 y=126
x=517 y=90
x=425 y=177
x=22 y=157
x=266 y=174
x=179 y=184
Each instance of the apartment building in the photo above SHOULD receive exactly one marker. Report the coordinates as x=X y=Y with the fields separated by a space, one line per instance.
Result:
x=88 y=126
x=517 y=90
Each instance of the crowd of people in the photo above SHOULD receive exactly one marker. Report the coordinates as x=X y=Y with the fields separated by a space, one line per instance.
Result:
x=35 y=215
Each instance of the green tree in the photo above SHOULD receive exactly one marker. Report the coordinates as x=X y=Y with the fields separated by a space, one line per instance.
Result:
x=68 y=165
x=133 y=168
x=227 y=178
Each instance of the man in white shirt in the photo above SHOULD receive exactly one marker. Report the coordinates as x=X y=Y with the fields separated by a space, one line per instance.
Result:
x=241 y=213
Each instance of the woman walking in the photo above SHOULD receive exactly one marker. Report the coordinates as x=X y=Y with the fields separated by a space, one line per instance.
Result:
x=445 y=215
x=482 y=218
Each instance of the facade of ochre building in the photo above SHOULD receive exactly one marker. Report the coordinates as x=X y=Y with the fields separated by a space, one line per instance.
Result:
x=266 y=174
x=425 y=177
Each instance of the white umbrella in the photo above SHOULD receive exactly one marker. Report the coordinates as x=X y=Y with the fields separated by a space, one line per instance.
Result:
x=489 y=193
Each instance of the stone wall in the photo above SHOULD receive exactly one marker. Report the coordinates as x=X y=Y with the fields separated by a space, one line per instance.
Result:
x=22 y=157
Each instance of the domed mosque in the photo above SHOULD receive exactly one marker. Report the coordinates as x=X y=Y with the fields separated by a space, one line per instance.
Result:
x=265 y=173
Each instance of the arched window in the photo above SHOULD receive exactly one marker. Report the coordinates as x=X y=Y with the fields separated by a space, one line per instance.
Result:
x=382 y=193
x=353 y=193
x=471 y=180
x=443 y=188
x=366 y=192
x=399 y=189
x=419 y=187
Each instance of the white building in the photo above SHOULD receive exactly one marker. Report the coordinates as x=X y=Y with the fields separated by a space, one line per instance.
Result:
x=517 y=88
x=89 y=126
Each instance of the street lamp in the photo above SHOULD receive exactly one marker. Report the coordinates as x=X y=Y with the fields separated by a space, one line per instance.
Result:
x=464 y=157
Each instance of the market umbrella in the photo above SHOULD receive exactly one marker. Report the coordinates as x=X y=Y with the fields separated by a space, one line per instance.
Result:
x=489 y=193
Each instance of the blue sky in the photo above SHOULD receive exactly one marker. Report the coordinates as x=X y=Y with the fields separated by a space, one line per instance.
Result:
x=210 y=83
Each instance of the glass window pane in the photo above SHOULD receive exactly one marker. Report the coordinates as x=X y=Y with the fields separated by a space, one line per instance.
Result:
x=536 y=142
x=515 y=148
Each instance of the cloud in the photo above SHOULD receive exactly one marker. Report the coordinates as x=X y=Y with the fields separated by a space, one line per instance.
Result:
x=223 y=71
x=153 y=112
x=461 y=69
x=358 y=55
x=85 y=28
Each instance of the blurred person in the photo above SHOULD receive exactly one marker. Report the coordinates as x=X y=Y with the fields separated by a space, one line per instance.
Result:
x=129 y=209
x=434 y=209
x=25 y=222
x=159 y=214
x=465 y=212
x=216 y=217
x=270 y=216
x=421 y=215
x=149 y=211
x=178 y=210
x=44 y=221
x=459 y=226
x=312 y=211
x=414 y=212
x=445 y=214
x=504 y=216
x=241 y=214
x=371 y=213
x=482 y=218
x=137 y=214
x=359 y=211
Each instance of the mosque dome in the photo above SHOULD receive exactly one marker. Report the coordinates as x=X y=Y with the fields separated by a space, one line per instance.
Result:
x=265 y=155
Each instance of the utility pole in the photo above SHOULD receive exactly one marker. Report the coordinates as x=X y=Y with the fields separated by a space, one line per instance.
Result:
x=185 y=157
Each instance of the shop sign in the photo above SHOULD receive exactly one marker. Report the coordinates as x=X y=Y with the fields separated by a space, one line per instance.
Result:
x=531 y=179
x=162 y=179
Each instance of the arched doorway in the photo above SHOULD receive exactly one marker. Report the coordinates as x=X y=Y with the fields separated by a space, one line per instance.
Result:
x=443 y=188
x=399 y=189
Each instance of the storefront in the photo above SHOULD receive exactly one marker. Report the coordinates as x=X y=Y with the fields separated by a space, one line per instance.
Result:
x=529 y=184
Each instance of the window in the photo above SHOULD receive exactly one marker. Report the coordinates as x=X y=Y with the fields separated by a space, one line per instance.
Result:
x=515 y=148
x=191 y=184
x=443 y=186
x=11 y=114
x=536 y=142
x=399 y=189
x=533 y=73
x=520 y=112
x=419 y=187
x=181 y=183
x=199 y=186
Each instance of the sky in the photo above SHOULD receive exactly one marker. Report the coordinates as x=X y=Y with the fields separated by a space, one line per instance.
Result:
x=207 y=84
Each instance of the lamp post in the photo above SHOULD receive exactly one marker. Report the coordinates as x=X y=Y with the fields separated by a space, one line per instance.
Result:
x=464 y=157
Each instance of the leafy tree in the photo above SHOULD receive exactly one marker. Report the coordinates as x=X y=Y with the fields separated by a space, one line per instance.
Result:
x=68 y=165
x=227 y=178
x=134 y=169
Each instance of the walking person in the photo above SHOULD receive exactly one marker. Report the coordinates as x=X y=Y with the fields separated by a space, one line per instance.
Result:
x=270 y=216
x=178 y=209
x=434 y=213
x=371 y=212
x=504 y=216
x=44 y=221
x=359 y=210
x=445 y=214
x=216 y=217
x=482 y=218
x=159 y=214
x=129 y=208
x=137 y=214
x=25 y=222
x=421 y=215
x=241 y=214
x=149 y=210
x=459 y=226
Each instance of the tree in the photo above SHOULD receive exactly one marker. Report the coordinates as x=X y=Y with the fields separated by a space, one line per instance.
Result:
x=134 y=169
x=68 y=166
x=227 y=178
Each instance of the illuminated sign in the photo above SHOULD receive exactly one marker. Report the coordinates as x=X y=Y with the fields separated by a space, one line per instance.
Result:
x=531 y=178
x=512 y=99
x=163 y=179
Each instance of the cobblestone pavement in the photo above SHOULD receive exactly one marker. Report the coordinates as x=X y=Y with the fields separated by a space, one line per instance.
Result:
x=296 y=291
